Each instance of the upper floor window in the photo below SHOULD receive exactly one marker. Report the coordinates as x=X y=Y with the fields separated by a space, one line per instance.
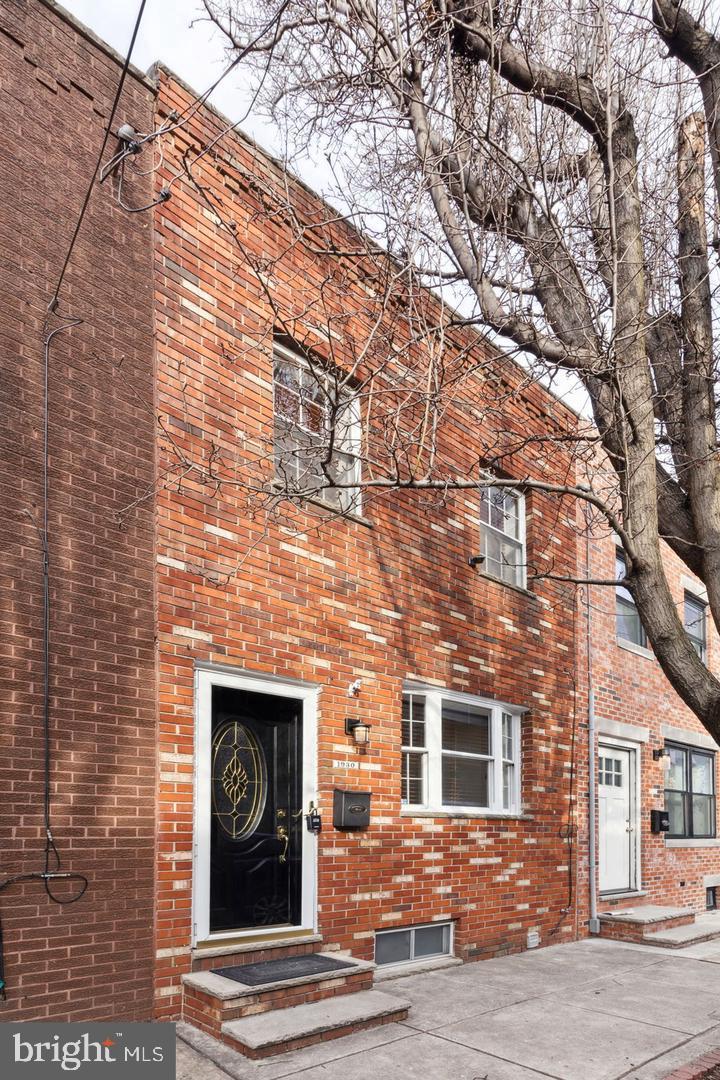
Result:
x=629 y=627
x=690 y=792
x=695 y=624
x=459 y=753
x=317 y=431
x=502 y=513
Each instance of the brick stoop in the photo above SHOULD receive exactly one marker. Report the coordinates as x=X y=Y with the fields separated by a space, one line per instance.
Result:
x=706 y=927
x=303 y=1025
x=640 y=923
x=210 y=1000
x=706 y=1067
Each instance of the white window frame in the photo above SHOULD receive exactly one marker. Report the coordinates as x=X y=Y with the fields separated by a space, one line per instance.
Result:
x=520 y=541
x=433 y=803
x=206 y=677
x=702 y=602
x=628 y=600
x=415 y=751
x=351 y=445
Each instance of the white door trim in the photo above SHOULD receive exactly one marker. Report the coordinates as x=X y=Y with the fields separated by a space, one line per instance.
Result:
x=635 y=806
x=205 y=679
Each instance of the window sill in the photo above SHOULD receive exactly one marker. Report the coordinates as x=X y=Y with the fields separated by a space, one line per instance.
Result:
x=473 y=815
x=384 y=972
x=625 y=894
x=506 y=584
x=639 y=650
x=692 y=842
x=347 y=515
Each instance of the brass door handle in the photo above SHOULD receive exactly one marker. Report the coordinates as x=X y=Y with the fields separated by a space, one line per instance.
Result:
x=282 y=834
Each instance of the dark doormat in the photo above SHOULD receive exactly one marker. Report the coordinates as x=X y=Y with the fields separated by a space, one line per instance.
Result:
x=288 y=967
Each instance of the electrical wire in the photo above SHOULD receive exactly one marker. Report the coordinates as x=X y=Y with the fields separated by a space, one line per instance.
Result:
x=177 y=120
x=163 y=195
x=51 y=853
x=126 y=66
x=134 y=145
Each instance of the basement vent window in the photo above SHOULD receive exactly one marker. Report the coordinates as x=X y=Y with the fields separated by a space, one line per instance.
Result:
x=711 y=898
x=414 y=943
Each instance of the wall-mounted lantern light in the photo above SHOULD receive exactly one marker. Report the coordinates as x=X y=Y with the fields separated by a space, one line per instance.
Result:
x=359 y=729
x=661 y=752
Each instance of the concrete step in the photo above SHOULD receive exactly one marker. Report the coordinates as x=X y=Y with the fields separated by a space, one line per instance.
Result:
x=302 y=1025
x=635 y=923
x=254 y=950
x=210 y=999
x=705 y=928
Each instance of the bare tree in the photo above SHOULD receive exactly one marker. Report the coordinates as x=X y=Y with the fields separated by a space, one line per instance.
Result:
x=547 y=160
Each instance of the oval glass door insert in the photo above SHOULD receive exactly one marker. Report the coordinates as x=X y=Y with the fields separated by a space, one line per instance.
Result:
x=239 y=780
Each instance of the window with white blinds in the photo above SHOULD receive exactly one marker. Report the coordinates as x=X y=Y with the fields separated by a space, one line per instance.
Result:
x=459 y=753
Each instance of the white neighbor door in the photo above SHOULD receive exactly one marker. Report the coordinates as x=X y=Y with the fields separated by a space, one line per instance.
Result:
x=616 y=795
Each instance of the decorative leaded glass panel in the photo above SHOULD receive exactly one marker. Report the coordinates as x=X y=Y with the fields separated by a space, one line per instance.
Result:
x=239 y=780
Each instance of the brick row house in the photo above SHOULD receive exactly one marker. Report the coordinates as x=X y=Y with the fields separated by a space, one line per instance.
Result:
x=465 y=680
x=361 y=736
x=652 y=753
x=94 y=957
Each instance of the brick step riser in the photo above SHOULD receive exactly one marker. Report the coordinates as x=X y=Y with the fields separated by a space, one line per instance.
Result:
x=210 y=1013
x=255 y=956
x=637 y=932
x=311 y=1040
x=298 y=995
x=199 y=1017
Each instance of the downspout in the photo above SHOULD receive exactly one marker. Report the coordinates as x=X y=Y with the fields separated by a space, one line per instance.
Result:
x=593 y=922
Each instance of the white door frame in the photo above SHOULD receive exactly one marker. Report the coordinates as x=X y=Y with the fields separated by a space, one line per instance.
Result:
x=635 y=807
x=207 y=676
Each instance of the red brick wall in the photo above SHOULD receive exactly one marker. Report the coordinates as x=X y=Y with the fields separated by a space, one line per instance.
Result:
x=631 y=688
x=91 y=959
x=344 y=599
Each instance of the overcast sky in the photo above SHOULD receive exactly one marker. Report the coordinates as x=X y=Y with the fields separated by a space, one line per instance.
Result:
x=194 y=52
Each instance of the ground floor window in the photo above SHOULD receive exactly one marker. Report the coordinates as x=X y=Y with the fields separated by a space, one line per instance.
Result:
x=413 y=943
x=690 y=792
x=459 y=753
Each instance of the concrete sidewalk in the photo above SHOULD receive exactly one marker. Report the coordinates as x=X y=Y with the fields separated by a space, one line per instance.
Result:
x=592 y=1010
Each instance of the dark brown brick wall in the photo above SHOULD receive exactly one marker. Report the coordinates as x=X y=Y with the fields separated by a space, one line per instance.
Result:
x=91 y=959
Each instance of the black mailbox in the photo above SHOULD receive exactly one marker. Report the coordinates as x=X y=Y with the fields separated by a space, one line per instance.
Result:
x=351 y=809
x=659 y=821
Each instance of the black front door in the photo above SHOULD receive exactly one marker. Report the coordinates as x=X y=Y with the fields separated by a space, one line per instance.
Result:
x=256 y=810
